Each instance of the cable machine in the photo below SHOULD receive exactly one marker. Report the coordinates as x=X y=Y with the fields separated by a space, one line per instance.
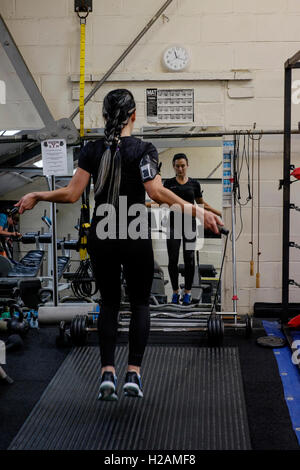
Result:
x=290 y=64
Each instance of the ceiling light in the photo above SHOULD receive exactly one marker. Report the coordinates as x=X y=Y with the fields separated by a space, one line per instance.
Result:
x=10 y=132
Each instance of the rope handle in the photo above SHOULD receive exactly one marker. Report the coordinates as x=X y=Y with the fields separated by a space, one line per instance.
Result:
x=257 y=280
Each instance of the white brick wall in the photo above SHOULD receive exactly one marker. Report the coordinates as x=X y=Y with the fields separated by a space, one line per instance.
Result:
x=40 y=9
x=259 y=56
x=8 y=8
x=47 y=59
x=212 y=57
x=208 y=92
x=269 y=84
x=228 y=28
x=221 y=35
x=138 y=8
x=179 y=29
x=123 y=30
x=205 y=6
x=55 y=87
x=269 y=28
x=62 y=32
x=246 y=112
x=25 y=32
x=143 y=57
x=270 y=6
x=293 y=6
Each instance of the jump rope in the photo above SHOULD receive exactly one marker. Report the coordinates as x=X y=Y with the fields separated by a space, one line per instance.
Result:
x=225 y=232
x=243 y=157
x=82 y=284
x=248 y=158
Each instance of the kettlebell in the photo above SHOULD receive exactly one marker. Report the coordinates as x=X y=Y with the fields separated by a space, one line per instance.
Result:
x=17 y=325
x=13 y=343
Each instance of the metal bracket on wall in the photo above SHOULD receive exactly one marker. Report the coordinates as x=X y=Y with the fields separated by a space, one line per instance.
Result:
x=81 y=6
x=63 y=128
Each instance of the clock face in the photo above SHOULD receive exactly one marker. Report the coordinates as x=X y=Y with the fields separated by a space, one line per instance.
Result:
x=176 y=58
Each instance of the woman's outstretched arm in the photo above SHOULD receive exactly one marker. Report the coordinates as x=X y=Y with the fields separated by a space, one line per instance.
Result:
x=162 y=195
x=69 y=194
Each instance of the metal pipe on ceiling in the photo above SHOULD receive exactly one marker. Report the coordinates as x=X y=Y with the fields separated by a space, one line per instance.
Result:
x=14 y=140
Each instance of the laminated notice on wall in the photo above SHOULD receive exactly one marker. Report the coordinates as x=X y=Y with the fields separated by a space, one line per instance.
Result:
x=54 y=154
x=228 y=148
x=173 y=106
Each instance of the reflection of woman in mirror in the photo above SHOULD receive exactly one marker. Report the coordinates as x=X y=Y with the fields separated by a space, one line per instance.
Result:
x=188 y=189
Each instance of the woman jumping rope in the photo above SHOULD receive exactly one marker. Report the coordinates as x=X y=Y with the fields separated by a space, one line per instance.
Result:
x=121 y=165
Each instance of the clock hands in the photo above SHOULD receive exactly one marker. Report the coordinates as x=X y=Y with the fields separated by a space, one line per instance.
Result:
x=177 y=57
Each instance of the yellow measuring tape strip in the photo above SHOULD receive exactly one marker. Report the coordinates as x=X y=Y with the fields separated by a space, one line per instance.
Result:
x=83 y=241
x=82 y=74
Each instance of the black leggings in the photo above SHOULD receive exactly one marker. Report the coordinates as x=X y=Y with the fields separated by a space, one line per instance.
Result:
x=136 y=257
x=173 y=247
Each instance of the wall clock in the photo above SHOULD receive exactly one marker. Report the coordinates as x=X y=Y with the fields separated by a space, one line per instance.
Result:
x=176 y=58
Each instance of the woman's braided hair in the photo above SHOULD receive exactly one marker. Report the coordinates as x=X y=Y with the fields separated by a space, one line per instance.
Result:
x=118 y=106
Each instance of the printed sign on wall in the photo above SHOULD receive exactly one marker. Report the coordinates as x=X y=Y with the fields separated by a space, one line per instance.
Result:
x=54 y=154
x=228 y=147
x=170 y=106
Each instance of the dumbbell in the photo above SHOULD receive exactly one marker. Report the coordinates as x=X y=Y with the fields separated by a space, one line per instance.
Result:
x=17 y=325
x=13 y=343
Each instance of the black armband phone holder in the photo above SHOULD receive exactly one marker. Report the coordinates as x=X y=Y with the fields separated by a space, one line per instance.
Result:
x=149 y=168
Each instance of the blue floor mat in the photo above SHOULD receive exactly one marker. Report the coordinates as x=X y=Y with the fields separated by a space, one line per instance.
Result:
x=289 y=373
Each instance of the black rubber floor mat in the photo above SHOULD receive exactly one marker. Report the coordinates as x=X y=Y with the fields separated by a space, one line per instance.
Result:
x=193 y=400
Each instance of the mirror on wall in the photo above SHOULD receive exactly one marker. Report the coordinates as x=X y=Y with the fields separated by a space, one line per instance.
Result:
x=202 y=170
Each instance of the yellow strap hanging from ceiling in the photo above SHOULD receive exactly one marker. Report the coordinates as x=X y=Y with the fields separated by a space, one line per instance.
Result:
x=82 y=74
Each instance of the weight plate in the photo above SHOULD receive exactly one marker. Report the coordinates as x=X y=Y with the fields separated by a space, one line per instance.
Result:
x=83 y=323
x=221 y=329
x=215 y=329
x=248 y=326
x=74 y=330
x=72 y=327
x=78 y=330
x=210 y=331
x=271 y=342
